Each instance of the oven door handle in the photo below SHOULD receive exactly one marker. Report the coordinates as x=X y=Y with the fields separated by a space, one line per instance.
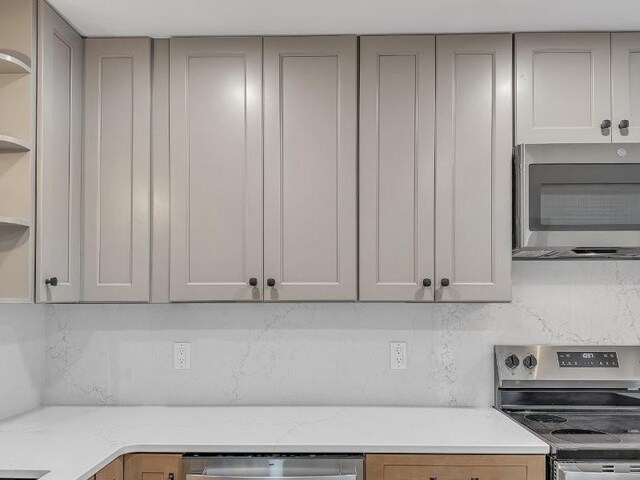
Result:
x=574 y=472
x=204 y=476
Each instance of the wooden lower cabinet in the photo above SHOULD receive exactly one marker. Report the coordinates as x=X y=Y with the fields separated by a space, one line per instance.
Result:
x=151 y=466
x=455 y=467
x=113 y=471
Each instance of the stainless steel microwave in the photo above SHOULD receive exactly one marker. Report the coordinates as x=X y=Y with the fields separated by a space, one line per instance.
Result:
x=574 y=201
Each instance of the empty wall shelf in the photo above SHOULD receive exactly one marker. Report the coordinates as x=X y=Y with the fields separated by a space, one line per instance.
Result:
x=12 y=144
x=11 y=63
x=14 y=222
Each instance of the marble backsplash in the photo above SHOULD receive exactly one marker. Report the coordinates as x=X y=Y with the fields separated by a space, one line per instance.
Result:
x=22 y=347
x=330 y=353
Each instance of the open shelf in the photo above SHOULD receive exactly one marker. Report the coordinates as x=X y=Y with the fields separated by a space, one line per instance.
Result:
x=14 y=222
x=13 y=62
x=12 y=144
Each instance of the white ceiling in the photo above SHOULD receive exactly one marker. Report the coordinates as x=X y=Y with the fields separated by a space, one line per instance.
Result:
x=162 y=18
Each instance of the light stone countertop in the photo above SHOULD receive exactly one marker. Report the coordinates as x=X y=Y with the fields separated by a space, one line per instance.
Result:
x=72 y=443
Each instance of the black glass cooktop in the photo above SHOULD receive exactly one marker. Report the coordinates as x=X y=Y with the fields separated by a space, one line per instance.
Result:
x=580 y=429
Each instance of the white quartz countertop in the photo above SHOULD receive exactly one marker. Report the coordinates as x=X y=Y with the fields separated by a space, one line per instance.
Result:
x=72 y=443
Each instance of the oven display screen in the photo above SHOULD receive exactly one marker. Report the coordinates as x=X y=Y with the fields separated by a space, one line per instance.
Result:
x=588 y=359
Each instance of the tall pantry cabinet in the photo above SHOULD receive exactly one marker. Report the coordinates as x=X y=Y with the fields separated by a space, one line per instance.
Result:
x=435 y=222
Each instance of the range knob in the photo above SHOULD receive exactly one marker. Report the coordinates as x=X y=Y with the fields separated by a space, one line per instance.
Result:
x=530 y=362
x=512 y=361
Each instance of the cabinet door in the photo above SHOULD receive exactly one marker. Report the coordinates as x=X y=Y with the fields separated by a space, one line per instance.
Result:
x=397 y=87
x=563 y=87
x=59 y=158
x=310 y=168
x=455 y=467
x=148 y=466
x=216 y=169
x=473 y=168
x=117 y=170
x=113 y=471
x=625 y=86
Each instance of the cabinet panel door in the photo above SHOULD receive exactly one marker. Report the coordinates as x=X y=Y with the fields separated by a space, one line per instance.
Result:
x=310 y=167
x=113 y=471
x=473 y=167
x=397 y=109
x=563 y=87
x=216 y=169
x=117 y=170
x=59 y=158
x=625 y=86
x=455 y=467
x=149 y=466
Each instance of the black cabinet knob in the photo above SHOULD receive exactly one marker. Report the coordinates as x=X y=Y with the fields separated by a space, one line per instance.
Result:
x=444 y=282
x=53 y=281
x=271 y=282
x=426 y=282
x=253 y=281
x=623 y=124
x=605 y=125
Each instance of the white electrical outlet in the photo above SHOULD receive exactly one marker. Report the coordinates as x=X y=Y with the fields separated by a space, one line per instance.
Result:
x=398 y=355
x=182 y=356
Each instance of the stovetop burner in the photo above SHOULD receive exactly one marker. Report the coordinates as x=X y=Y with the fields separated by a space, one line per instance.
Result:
x=545 y=418
x=579 y=435
x=588 y=429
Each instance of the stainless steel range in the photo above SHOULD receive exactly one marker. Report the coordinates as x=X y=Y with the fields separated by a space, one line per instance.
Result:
x=584 y=401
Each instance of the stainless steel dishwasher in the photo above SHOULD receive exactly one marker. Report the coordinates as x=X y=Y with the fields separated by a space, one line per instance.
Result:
x=273 y=467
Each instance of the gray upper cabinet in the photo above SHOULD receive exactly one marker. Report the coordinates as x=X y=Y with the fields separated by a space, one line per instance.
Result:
x=59 y=158
x=310 y=132
x=473 y=168
x=435 y=213
x=216 y=169
x=397 y=113
x=625 y=84
x=117 y=170
x=563 y=88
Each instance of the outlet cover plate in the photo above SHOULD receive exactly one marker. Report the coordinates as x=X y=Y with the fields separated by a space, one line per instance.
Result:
x=398 y=355
x=182 y=356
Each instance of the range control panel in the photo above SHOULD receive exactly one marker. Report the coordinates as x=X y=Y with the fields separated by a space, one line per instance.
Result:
x=588 y=360
x=542 y=366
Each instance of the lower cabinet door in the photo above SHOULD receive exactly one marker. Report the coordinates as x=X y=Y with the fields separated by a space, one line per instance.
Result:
x=117 y=170
x=473 y=168
x=216 y=169
x=113 y=471
x=310 y=121
x=455 y=467
x=150 y=466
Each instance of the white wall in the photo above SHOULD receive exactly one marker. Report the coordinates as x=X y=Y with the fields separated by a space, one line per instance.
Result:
x=22 y=344
x=330 y=353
